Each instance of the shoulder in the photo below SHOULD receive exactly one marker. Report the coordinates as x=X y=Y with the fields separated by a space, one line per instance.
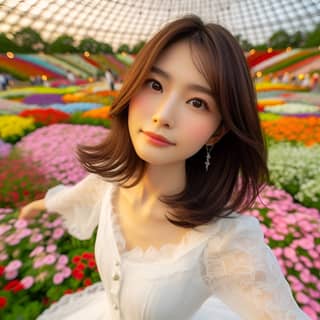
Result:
x=235 y=230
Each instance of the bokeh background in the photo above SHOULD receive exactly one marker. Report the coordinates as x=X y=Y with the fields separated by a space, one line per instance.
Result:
x=55 y=93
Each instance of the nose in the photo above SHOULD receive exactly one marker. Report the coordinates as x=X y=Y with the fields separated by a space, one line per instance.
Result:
x=164 y=115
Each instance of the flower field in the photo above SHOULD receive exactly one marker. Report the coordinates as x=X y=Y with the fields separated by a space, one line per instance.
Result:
x=39 y=131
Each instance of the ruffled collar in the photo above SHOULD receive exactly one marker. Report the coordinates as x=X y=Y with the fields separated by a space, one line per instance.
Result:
x=166 y=252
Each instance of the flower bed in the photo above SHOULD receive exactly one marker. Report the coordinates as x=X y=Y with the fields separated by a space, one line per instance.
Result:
x=293 y=108
x=13 y=128
x=5 y=149
x=53 y=149
x=45 y=116
x=76 y=106
x=42 y=99
x=304 y=130
x=100 y=113
x=295 y=168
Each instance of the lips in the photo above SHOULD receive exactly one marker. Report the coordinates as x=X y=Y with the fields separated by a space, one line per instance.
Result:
x=158 y=137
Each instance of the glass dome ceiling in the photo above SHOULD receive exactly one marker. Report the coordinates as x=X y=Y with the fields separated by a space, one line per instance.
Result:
x=129 y=21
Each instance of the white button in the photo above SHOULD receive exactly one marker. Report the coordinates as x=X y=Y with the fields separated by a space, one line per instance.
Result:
x=115 y=306
x=117 y=263
x=116 y=277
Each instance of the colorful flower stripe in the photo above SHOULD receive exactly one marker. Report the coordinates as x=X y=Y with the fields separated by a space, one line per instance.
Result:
x=45 y=116
x=260 y=56
x=305 y=130
x=76 y=106
x=291 y=60
x=91 y=61
x=26 y=69
x=308 y=68
x=63 y=65
x=36 y=60
x=300 y=64
x=270 y=102
x=306 y=97
x=269 y=86
x=79 y=62
x=293 y=108
x=115 y=64
x=125 y=58
x=275 y=59
x=13 y=107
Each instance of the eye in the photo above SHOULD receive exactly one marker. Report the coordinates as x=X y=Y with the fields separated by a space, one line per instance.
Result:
x=198 y=103
x=154 y=84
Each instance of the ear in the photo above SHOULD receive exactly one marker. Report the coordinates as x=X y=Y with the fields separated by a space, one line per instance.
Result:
x=217 y=135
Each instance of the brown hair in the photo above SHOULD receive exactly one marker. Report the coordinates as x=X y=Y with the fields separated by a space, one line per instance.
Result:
x=238 y=168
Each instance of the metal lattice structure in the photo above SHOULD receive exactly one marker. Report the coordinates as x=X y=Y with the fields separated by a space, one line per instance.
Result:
x=130 y=21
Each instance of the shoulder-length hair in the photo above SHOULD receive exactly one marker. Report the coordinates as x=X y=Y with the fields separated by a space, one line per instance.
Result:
x=238 y=168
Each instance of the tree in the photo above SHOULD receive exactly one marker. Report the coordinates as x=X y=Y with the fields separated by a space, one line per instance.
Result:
x=279 y=40
x=89 y=44
x=296 y=39
x=313 y=38
x=6 y=44
x=63 y=44
x=123 y=48
x=138 y=47
x=29 y=40
x=105 y=48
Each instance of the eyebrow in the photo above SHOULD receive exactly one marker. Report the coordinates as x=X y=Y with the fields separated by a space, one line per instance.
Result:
x=191 y=86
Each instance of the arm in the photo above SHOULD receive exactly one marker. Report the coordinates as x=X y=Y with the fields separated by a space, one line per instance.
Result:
x=79 y=205
x=242 y=272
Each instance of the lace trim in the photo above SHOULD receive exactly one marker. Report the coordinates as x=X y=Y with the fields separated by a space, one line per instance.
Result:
x=73 y=299
x=165 y=252
x=253 y=271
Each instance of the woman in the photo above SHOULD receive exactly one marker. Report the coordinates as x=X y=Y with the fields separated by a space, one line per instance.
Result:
x=184 y=155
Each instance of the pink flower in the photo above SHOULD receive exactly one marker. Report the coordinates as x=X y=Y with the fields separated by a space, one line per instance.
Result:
x=63 y=259
x=66 y=272
x=49 y=259
x=11 y=275
x=27 y=282
x=58 y=278
x=36 y=251
x=13 y=266
x=51 y=248
x=36 y=238
x=57 y=233
x=310 y=312
x=21 y=223
x=302 y=298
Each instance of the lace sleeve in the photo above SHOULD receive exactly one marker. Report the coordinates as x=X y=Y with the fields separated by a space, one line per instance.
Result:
x=79 y=205
x=241 y=270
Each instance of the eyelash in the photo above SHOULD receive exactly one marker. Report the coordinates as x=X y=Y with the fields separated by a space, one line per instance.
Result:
x=150 y=81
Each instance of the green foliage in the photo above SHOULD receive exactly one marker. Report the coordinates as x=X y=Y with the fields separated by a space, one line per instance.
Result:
x=138 y=47
x=63 y=44
x=123 y=48
x=76 y=118
x=28 y=40
x=279 y=40
x=313 y=38
x=6 y=44
x=90 y=45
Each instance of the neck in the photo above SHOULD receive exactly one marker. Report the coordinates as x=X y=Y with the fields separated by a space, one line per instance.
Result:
x=157 y=181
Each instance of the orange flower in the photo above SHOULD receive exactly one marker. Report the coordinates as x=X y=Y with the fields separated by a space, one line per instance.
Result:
x=100 y=113
x=305 y=130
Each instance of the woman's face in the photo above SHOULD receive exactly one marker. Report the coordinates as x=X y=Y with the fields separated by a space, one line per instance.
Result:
x=174 y=114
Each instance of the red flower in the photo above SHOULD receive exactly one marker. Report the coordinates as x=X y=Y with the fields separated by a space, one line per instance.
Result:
x=3 y=302
x=87 y=282
x=68 y=291
x=14 y=285
x=77 y=274
x=80 y=266
x=87 y=255
x=1 y=270
x=92 y=264
x=76 y=259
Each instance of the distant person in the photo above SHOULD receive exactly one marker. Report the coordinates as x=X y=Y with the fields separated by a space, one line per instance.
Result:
x=109 y=78
x=71 y=77
x=3 y=82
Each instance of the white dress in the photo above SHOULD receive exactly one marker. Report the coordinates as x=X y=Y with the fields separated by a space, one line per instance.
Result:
x=223 y=270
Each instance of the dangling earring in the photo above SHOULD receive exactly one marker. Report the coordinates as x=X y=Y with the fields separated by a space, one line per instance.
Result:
x=208 y=156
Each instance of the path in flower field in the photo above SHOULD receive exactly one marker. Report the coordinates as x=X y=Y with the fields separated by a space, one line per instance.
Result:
x=39 y=261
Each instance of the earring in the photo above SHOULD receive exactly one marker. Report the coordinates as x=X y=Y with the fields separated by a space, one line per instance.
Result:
x=208 y=156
